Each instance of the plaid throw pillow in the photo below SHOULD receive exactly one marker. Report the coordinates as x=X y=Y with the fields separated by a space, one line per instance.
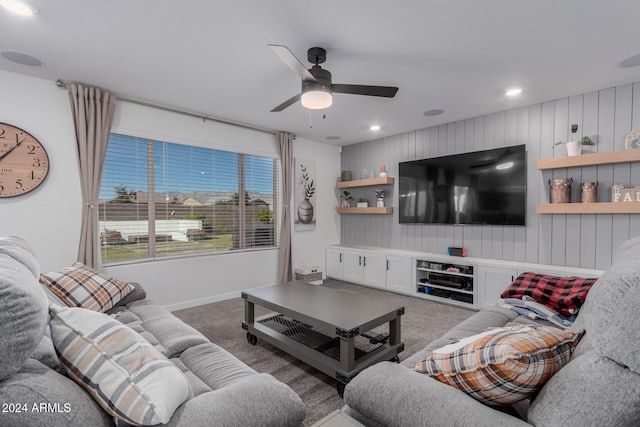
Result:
x=82 y=286
x=504 y=365
x=129 y=378
x=562 y=294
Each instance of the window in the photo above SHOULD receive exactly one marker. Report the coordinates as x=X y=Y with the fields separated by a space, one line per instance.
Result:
x=161 y=199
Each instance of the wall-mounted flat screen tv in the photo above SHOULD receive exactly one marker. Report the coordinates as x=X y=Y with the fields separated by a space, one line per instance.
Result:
x=481 y=187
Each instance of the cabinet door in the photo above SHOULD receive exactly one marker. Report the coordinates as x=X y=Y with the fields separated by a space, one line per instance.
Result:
x=493 y=280
x=334 y=263
x=375 y=269
x=400 y=274
x=352 y=264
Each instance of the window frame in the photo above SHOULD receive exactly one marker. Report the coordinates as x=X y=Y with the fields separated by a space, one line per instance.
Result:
x=152 y=254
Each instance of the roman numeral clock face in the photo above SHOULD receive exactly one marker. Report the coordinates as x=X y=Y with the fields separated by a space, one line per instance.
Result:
x=24 y=163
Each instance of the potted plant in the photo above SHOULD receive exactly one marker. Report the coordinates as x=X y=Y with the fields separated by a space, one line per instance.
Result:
x=574 y=147
x=586 y=141
x=379 y=198
x=346 y=197
x=362 y=202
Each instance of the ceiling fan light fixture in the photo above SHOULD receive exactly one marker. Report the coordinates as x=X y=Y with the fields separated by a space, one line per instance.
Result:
x=316 y=99
x=18 y=7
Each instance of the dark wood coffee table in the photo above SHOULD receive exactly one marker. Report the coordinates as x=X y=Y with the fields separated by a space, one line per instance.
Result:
x=326 y=328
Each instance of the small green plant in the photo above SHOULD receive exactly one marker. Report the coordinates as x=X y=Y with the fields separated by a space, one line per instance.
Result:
x=362 y=200
x=379 y=194
x=584 y=141
x=346 y=195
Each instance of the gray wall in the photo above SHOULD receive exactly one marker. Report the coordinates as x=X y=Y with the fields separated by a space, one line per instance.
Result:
x=587 y=241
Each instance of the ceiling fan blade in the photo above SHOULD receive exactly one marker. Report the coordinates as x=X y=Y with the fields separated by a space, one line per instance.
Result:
x=287 y=103
x=384 y=91
x=292 y=62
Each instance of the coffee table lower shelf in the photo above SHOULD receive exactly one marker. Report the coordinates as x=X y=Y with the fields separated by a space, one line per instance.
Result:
x=321 y=349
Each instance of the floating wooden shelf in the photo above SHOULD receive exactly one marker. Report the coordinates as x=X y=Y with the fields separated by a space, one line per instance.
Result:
x=593 y=159
x=589 y=208
x=608 y=158
x=387 y=180
x=371 y=210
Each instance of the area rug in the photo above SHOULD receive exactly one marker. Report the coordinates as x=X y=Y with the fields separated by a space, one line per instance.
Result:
x=221 y=322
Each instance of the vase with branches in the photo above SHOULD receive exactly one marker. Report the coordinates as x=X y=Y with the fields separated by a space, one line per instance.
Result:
x=305 y=208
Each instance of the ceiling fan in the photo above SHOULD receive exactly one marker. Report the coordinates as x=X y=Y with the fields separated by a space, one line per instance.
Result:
x=317 y=88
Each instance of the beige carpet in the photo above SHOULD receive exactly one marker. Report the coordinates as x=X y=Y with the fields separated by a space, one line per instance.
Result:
x=221 y=322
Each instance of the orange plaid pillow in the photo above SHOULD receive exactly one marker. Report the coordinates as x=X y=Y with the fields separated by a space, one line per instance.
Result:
x=502 y=365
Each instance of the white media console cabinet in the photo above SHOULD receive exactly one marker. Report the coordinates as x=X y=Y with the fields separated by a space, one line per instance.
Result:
x=463 y=281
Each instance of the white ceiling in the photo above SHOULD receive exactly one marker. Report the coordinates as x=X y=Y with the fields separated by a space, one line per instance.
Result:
x=211 y=57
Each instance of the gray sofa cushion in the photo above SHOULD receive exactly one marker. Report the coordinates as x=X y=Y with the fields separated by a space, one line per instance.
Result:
x=66 y=404
x=46 y=354
x=170 y=332
x=590 y=391
x=215 y=366
x=612 y=305
x=258 y=400
x=23 y=316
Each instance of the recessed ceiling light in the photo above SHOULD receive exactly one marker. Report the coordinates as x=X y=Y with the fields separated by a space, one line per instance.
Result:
x=375 y=128
x=434 y=112
x=18 y=7
x=333 y=137
x=21 y=58
x=514 y=92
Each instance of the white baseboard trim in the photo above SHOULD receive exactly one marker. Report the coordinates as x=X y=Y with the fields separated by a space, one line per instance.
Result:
x=202 y=301
x=208 y=300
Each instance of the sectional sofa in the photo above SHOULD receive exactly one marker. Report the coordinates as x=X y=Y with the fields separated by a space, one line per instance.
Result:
x=125 y=361
x=597 y=385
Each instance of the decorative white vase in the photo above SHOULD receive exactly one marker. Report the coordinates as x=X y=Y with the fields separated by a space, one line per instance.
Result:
x=574 y=148
x=380 y=203
x=363 y=204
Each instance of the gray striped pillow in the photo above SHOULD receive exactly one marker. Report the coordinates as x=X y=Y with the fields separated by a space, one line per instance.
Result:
x=123 y=372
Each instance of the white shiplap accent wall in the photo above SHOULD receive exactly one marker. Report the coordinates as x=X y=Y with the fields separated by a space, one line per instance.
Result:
x=586 y=241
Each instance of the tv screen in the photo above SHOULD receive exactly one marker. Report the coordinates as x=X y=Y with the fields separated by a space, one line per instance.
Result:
x=482 y=187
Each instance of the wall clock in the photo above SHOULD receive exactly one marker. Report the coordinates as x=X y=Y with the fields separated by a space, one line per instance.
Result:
x=24 y=163
x=632 y=140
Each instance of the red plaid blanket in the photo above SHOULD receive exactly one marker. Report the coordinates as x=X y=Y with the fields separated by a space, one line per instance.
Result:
x=562 y=294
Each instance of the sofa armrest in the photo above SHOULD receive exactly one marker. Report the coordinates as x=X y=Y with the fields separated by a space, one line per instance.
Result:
x=394 y=395
x=258 y=400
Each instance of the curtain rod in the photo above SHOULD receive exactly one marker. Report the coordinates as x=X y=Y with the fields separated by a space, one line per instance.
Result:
x=204 y=118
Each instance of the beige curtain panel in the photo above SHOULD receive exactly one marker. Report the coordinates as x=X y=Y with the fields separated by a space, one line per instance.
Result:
x=285 y=144
x=93 y=111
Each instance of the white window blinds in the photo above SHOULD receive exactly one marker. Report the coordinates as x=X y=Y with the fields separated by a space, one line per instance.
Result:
x=161 y=199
